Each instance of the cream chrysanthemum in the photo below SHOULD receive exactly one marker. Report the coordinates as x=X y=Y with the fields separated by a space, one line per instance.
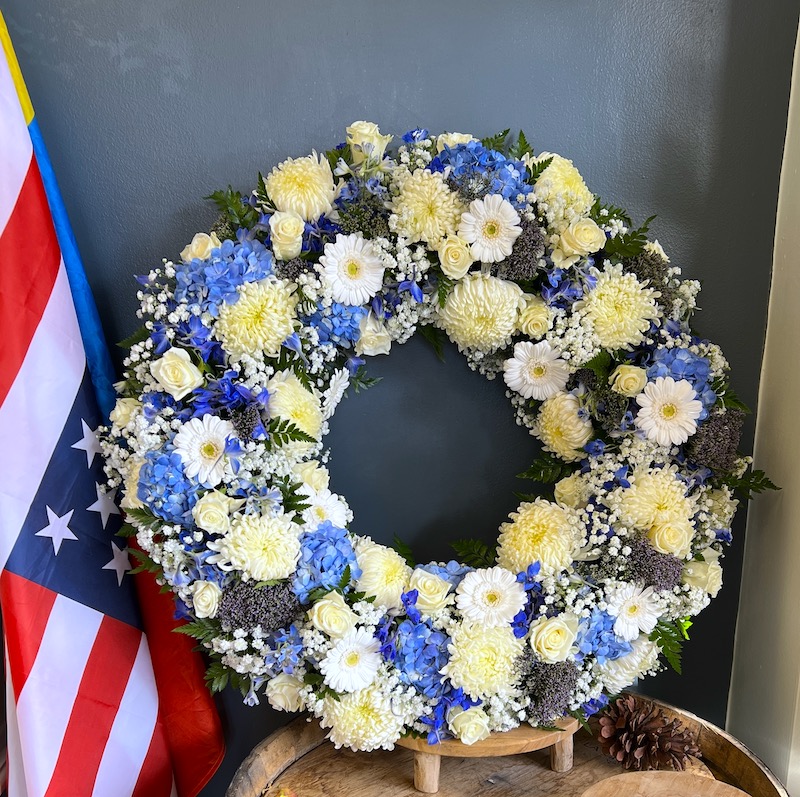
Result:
x=620 y=308
x=352 y=269
x=261 y=547
x=655 y=497
x=481 y=312
x=668 y=410
x=536 y=370
x=616 y=674
x=636 y=608
x=539 y=532
x=303 y=186
x=362 y=720
x=289 y=399
x=490 y=226
x=561 y=187
x=384 y=573
x=261 y=319
x=200 y=443
x=352 y=662
x=482 y=659
x=490 y=596
x=562 y=428
x=425 y=209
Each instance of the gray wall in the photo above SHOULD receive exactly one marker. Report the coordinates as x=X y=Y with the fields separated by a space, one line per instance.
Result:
x=676 y=108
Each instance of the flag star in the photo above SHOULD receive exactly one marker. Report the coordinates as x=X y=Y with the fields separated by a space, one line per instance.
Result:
x=104 y=504
x=121 y=563
x=57 y=529
x=88 y=443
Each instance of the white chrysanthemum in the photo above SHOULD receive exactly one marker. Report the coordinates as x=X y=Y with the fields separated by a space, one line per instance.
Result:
x=289 y=399
x=352 y=269
x=561 y=187
x=490 y=226
x=261 y=319
x=324 y=505
x=655 y=497
x=539 y=532
x=620 y=308
x=481 y=312
x=261 y=547
x=616 y=674
x=303 y=186
x=425 y=209
x=482 y=659
x=636 y=609
x=490 y=596
x=362 y=720
x=201 y=445
x=562 y=428
x=384 y=573
x=352 y=662
x=668 y=410
x=536 y=370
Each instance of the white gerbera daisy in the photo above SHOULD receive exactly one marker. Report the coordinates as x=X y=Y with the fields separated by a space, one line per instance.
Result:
x=636 y=609
x=491 y=225
x=491 y=597
x=352 y=269
x=324 y=505
x=351 y=664
x=536 y=370
x=201 y=445
x=668 y=410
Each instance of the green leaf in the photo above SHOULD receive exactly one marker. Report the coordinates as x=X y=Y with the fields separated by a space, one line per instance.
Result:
x=146 y=564
x=496 y=142
x=404 y=549
x=436 y=337
x=612 y=212
x=126 y=530
x=475 y=553
x=202 y=630
x=333 y=156
x=360 y=381
x=629 y=244
x=144 y=517
x=140 y=336
x=726 y=397
x=669 y=636
x=749 y=483
x=520 y=147
x=601 y=365
x=233 y=209
x=344 y=581
x=292 y=500
x=282 y=431
x=443 y=288
x=261 y=190
x=536 y=169
x=547 y=469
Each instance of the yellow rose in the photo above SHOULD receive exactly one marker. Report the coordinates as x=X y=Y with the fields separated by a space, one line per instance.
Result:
x=205 y=597
x=672 y=537
x=200 y=247
x=286 y=234
x=434 y=592
x=313 y=475
x=123 y=411
x=470 y=725
x=706 y=574
x=571 y=491
x=366 y=142
x=374 y=339
x=582 y=237
x=176 y=373
x=283 y=692
x=212 y=512
x=455 y=257
x=628 y=380
x=452 y=139
x=535 y=318
x=332 y=616
x=551 y=638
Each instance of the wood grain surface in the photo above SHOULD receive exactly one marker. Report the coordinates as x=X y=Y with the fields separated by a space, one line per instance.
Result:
x=662 y=784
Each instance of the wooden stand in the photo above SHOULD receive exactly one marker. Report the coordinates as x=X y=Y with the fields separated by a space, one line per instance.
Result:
x=524 y=739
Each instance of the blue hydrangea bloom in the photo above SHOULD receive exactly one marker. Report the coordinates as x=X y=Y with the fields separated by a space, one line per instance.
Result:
x=338 y=324
x=680 y=364
x=285 y=649
x=420 y=654
x=324 y=555
x=453 y=571
x=596 y=636
x=164 y=488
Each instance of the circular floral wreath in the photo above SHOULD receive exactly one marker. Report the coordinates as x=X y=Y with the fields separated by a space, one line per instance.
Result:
x=252 y=338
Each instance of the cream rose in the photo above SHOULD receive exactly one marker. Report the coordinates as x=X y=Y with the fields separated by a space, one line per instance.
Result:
x=205 y=597
x=705 y=574
x=123 y=411
x=434 y=592
x=628 y=380
x=551 y=638
x=470 y=725
x=176 y=373
x=283 y=692
x=286 y=230
x=571 y=491
x=455 y=257
x=313 y=475
x=534 y=318
x=332 y=616
x=582 y=237
x=212 y=512
x=672 y=537
x=374 y=339
x=452 y=139
x=200 y=247
x=366 y=142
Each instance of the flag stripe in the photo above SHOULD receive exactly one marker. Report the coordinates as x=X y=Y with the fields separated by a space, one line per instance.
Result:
x=29 y=236
x=16 y=769
x=45 y=704
x=103 y=684
x=24 y=627
x=155 y=779
x=31 y=422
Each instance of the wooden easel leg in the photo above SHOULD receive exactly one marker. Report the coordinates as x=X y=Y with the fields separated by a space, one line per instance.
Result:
x=561 y=755
x=426 y=772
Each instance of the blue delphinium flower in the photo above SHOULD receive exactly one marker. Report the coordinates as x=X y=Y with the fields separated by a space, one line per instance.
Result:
x=560 y=290
x=420 y=653
x=452 y=571
x=437 y=719
x=164 y=488
x=284 y=651
x=593 y=706
x=156 y=401
x=228 y=394
x=680 y=364
x=533 y=600
x=417 y=134
x=596 y=637
x=325 y=554
x=338 y=324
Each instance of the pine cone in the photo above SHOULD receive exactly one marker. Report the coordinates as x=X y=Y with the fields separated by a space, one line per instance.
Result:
x=640 y=736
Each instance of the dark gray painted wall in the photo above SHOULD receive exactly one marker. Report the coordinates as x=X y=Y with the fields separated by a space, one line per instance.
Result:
x=675 y=107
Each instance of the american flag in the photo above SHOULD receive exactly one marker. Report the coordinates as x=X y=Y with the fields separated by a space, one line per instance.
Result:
x=84 y=714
